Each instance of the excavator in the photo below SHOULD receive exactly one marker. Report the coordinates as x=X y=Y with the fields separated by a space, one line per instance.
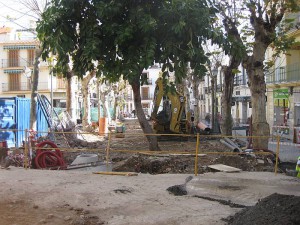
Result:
x=173 y=117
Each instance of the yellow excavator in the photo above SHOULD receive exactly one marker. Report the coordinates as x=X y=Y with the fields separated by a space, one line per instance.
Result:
x=173 y=117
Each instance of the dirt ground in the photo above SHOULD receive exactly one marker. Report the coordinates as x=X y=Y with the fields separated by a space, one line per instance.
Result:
x=36 y=197
x=130 y=153
x=83 y=198
x=275 y=209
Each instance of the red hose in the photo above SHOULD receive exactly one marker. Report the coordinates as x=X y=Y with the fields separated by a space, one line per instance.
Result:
x=49 y=159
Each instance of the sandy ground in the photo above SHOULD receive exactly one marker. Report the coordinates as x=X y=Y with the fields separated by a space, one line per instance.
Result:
x=31 y=197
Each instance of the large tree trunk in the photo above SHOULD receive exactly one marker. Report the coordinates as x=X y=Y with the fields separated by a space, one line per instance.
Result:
x=35 y=82
x=227 y=122
x=257 y=85
x=70 y=95
x=213 y=104
x=195 y=85
x=153 y=144
x=102 y=99
x=86 y=100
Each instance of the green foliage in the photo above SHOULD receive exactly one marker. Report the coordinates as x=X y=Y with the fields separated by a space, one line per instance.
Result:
x=123 y=37
x=235 y=71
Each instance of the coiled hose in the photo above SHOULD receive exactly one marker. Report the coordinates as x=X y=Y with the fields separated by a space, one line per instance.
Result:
x=48 y=159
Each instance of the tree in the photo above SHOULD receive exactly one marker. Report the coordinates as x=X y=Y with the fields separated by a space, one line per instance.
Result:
x=127 y=37
x=253 y=38
x=86 y=99
x=37 y=8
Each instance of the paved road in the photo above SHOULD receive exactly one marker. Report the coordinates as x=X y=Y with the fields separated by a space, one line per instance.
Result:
x=288 y=151
x=244 y=188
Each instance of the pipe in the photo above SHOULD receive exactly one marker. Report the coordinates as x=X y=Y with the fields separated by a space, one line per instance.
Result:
x=229 y=145
x=203 y=126
x=233 y=144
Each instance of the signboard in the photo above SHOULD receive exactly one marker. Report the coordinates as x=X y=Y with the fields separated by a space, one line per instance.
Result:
x=281 y=93
x=281 y=97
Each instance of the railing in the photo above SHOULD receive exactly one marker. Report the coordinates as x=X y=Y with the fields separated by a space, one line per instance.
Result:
x=149 y=82
x=8 y=63
x=24 y=86
x=239 y=80
x=147 y=97
x=289 y=73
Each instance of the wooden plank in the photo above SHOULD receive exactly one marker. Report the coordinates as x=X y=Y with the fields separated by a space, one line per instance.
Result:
x=117 y=173
x=224 y=168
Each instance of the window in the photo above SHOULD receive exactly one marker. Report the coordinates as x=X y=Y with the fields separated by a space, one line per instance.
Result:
x=13 y=58
x=14 y=82
x=145 y=93
x=145 y=108
x=30 y=57
x=145 y=78
x=61 y=84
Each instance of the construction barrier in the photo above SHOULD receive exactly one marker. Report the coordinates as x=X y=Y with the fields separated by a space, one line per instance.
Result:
x=189 y=145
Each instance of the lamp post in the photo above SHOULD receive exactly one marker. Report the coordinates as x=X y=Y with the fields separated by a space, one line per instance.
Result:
x=214 y=124
x=51 y=93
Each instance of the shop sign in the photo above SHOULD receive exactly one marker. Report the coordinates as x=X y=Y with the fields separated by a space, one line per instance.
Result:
x=281 y=93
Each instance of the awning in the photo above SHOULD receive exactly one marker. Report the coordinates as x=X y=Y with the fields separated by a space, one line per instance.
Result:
x=15 y=47
x=14 y=71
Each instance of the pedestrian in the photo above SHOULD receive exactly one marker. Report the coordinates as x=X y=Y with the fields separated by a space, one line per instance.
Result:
x=298 y=167
x=133 y=112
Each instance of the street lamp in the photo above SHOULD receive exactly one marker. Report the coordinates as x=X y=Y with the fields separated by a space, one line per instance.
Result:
x=51 y=89
x=214 y=74
x=51 y=93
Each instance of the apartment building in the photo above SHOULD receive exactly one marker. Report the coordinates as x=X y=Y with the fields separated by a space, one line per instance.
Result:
x=283 y=86
x=147 y=91
x=17 y=54
x=241 y=108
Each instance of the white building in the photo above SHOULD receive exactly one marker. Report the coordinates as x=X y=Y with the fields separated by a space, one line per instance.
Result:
x=17 y=54
x=147 y=91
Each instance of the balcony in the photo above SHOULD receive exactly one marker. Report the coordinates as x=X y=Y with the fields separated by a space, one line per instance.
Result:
x=148 y=82
x=286 y=74
x=11 y=63
x=24 y=86
x=147 y=97
x=239 y=80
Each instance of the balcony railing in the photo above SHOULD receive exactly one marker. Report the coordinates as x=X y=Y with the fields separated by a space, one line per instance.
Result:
x=289 y=73
x=20 y=62
x=24 y=86
x=148 y=82
x=147 y=97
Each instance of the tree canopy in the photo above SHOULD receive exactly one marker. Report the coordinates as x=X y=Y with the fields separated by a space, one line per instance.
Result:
x=125 y=36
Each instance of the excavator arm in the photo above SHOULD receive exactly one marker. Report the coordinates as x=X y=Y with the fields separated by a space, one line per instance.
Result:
x=172 y=119
x=158 y=95
x=177 y=109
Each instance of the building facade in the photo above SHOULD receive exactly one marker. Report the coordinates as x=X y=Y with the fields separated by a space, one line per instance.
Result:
x=283 y=87
x=17 y=54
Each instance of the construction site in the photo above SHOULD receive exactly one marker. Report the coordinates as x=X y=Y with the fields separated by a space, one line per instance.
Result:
x=77 y=177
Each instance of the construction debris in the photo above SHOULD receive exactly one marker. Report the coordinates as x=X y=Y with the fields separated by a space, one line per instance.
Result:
x=224 y=168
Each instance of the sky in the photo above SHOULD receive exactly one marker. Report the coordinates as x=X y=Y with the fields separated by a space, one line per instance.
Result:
x=21 y=15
